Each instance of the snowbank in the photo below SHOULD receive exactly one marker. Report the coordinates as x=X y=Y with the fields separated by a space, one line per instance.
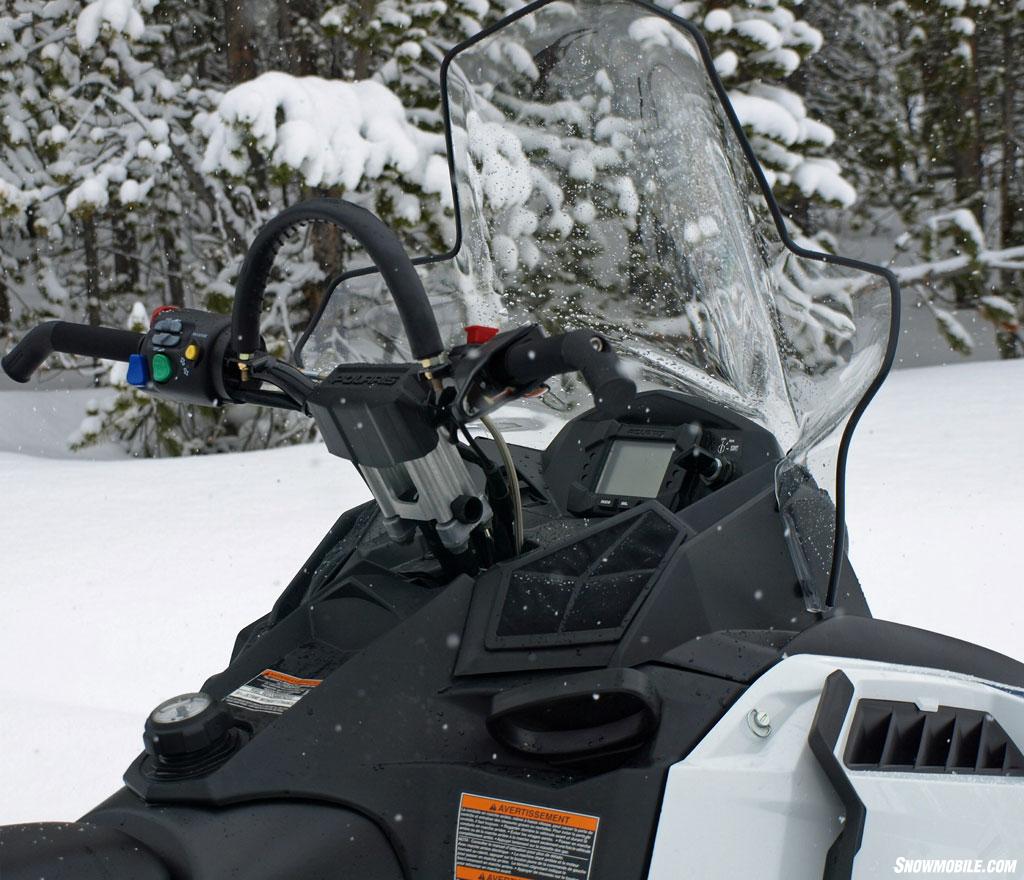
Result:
x=936 y=502
x=128 y=581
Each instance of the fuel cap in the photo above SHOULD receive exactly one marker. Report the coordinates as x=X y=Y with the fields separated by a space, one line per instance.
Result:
x=188 y=724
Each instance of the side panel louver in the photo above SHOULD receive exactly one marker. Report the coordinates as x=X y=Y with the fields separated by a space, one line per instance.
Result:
x=899 y=736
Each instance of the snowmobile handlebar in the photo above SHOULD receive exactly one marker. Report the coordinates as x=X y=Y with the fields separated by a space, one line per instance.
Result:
x=382 y=246
x=535 y=360
x=68 y=338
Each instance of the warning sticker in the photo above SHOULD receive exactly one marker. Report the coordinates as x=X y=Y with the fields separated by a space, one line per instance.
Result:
x=271 y=691
x=506 y=840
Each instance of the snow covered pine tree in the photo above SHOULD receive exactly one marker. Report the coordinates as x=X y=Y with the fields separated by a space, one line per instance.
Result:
x=932 y=135
x=123 y=145
x=101 y=202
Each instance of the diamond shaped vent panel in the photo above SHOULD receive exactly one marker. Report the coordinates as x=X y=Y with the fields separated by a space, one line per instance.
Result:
x=585 y=590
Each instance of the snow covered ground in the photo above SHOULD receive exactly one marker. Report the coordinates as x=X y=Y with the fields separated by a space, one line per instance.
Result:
x=124 y=582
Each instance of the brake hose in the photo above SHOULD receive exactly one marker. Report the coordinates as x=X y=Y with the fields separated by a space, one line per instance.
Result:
x=512 y=477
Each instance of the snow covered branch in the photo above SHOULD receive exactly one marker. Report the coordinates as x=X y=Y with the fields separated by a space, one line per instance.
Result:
x=930 y=272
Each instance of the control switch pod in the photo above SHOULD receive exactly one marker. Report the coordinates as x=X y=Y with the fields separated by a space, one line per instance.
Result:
x=174 y=375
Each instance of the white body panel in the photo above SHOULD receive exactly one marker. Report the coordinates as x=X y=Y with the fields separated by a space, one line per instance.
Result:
x=741 y=805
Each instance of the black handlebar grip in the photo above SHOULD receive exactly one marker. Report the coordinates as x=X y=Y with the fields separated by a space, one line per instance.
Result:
x=83 y=339
x=382 y=246
x=535 y=360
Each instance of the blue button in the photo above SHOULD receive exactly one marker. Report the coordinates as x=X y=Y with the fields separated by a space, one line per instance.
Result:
x=137 y=371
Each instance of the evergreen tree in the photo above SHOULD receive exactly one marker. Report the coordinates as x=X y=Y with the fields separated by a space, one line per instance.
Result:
x=102 y=196
x=933 y=132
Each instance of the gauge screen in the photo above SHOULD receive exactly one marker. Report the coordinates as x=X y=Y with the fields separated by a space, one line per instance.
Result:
x=635 y=468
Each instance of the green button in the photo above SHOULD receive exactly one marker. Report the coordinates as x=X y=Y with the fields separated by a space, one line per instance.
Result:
x=161 y=368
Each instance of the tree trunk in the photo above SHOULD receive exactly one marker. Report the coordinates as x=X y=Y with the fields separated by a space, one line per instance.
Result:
x=300 y=53
x=5 y=306
x=92 y=282
x=241 y=44
x=92 y=272
x=331 y=252
x=964 y=124
x=172 y=261
x=1010 y=204
x=1009 y=341
x=126 y=266
x=363 y=59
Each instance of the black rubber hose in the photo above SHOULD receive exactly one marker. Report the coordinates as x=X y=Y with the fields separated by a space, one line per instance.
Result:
x=382 y=246
x=83 y=339
x=535 y=360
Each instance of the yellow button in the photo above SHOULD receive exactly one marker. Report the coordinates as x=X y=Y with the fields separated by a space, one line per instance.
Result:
x=192 y=352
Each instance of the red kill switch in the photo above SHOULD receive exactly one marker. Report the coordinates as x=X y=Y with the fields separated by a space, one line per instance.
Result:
x=158 y=311
x=477 y=334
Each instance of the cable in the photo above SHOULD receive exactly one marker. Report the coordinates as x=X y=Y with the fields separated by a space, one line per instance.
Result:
x=495 y=481
x=512 y=477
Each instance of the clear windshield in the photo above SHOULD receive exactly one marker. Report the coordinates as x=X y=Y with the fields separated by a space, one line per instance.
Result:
x=600 y=183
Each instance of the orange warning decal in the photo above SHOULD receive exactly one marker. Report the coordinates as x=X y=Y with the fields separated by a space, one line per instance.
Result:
x=527 y=811
x=464 y=873
x=291 y=679
x=271 y=692
x=507 y=840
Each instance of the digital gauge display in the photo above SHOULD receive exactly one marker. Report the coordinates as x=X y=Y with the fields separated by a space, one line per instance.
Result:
x=635 y=468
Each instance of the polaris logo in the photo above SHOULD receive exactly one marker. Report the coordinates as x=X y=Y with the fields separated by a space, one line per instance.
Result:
x=365 y=379
x=637 y=431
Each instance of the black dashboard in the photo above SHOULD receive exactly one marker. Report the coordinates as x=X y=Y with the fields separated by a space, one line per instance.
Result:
x=667 y=447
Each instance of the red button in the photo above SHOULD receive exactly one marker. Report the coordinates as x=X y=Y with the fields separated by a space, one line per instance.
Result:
x=158 y=311
x=478 y=334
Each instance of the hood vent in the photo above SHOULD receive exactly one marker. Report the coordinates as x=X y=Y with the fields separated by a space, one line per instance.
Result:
x=900 y=737
x=585 y=589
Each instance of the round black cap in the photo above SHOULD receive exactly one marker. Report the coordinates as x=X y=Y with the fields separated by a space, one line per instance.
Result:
x=185 y=725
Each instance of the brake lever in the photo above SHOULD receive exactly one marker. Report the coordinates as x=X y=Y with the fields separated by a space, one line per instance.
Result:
x=479 y=377
x=292 y=381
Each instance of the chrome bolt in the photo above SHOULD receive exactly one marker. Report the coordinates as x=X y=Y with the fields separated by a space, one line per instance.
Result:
x=760 y=723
